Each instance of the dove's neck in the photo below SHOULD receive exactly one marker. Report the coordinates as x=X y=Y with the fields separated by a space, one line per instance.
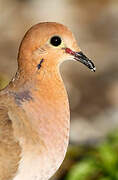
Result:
x=48 y=114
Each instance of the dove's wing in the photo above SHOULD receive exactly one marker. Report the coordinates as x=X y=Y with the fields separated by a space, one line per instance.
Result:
x=9 y=147
x=14 y=127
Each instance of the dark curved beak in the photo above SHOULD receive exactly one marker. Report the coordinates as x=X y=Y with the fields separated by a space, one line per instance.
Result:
x=79 y=56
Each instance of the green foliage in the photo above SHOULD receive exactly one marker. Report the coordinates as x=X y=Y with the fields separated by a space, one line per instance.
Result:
x=96 y=163
x=3 y=81
x=82 y=170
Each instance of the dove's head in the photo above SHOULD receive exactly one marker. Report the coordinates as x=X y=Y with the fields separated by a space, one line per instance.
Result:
x=46 y=45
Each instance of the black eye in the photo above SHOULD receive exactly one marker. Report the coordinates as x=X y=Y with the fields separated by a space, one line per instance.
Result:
x=55 y=41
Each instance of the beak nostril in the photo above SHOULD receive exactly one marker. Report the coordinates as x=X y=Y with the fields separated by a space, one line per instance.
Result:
x=69 y=51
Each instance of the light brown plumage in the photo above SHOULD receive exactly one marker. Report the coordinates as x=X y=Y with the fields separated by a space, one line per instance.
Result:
x=34 y=110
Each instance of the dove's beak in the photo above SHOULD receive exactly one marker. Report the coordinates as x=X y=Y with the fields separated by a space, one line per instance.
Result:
x=79 y=56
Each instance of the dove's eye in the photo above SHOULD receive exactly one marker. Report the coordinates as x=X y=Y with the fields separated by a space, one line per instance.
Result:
x=55 y=41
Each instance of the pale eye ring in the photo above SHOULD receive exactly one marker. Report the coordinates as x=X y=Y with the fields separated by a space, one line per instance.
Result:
x=55 y=41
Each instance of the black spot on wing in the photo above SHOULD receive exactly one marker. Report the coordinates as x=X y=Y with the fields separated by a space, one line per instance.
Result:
x=23 y=96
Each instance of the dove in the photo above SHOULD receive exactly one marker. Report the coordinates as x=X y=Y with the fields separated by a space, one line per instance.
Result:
x=34 y=108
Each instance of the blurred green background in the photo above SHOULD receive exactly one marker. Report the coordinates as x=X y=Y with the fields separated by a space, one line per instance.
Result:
x=93 y=149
